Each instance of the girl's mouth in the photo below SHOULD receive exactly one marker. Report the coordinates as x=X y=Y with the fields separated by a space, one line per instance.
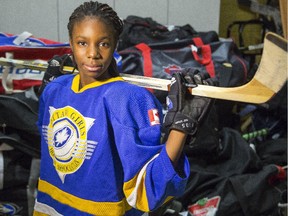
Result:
x=93 y=68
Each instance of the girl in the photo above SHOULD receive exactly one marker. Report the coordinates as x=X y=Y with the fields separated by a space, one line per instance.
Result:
x=100 y=136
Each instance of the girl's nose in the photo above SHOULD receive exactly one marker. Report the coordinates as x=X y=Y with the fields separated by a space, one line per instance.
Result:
x=93 y=52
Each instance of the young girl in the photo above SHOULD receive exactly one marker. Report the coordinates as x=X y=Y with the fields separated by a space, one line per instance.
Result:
x=101 y=137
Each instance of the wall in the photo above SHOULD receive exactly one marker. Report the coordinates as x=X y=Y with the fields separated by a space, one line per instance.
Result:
x=231 y=11
x=48 y=18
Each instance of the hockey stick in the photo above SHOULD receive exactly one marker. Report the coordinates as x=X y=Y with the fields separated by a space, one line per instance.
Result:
x=269 y=78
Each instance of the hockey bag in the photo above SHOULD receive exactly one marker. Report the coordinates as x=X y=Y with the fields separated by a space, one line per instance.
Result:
x=235 y=175
x=15 y=170
x=146 y=30
x=221 y=59
x=25 y=46
x=18 y=117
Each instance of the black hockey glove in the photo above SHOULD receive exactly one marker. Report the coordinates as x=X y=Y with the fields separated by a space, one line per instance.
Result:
x=55 y=69
x=185 y=111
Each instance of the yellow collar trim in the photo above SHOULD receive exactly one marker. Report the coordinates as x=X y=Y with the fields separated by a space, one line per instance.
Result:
x=76 y=82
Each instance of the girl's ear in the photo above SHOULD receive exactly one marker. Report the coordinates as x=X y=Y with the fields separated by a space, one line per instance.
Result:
x=71 y=46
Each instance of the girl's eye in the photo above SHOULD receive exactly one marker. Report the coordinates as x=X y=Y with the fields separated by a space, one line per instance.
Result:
x=104 y=44
x=81 y=43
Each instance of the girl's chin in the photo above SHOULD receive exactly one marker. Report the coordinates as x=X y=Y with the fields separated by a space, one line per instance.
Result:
x=95 y=75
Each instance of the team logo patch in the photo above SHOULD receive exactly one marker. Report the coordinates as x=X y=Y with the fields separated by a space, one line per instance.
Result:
x=154 y=117
x=67 y=140
x=170 y=69
x=169 y=103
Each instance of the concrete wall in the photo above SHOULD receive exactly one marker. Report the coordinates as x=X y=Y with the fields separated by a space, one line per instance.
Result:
x=48 y=18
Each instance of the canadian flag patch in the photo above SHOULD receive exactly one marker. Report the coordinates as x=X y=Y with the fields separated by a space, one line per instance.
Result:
x=205 y=207
x=154 y=117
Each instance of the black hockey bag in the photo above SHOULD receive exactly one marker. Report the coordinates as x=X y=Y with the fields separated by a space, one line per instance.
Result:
x=146 y=30
x=160 y=60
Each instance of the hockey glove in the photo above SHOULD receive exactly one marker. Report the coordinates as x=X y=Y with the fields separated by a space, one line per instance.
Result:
x=185 y=111
x=55 y=69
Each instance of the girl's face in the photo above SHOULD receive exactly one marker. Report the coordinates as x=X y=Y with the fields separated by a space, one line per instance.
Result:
x=93 y=44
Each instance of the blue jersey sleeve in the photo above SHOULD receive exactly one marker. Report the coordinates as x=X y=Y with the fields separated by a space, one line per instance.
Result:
x=149 y=176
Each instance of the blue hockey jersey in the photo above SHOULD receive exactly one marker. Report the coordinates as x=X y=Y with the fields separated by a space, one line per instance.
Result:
x=101 y=152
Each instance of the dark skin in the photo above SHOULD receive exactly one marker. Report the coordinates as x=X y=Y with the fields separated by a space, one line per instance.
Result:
x=93 y=45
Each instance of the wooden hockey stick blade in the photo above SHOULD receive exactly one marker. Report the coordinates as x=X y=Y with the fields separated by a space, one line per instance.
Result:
x=268 y=80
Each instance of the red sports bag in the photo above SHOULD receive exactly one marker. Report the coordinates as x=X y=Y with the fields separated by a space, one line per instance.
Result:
x=26 y=47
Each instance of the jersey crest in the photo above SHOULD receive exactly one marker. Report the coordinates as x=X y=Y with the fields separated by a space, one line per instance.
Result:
x=67 y=140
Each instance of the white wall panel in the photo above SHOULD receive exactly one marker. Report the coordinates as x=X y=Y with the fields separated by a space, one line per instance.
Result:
x=156 y=9
x=202 y=15
x=38 y=17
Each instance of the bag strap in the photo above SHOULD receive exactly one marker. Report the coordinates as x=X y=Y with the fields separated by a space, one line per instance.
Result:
x=21 y=38
x=198 y=41
x=7 y=80
x=206 y=55
x=147 y=60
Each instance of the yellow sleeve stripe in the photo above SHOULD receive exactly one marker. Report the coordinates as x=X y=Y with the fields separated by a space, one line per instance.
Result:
x=135 y=189
x=91 y=207
x=36 y=213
